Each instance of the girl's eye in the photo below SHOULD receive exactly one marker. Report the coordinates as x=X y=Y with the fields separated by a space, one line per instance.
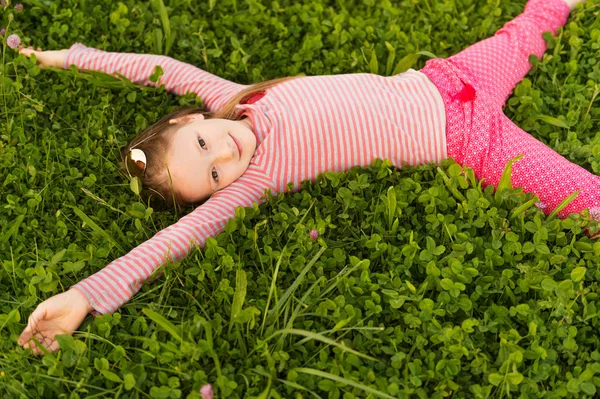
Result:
x=215 y=175
x=202 y=143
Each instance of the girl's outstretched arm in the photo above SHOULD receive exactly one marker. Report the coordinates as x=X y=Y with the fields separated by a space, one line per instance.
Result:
x=109 y=288
x=179 y=77
x=115 y=284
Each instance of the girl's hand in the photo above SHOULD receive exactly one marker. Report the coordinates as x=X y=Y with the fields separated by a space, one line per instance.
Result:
x=54 y=58
x=60 y=314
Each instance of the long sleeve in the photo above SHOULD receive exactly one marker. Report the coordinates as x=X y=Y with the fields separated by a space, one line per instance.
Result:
x=179 y=77
x=116 y=283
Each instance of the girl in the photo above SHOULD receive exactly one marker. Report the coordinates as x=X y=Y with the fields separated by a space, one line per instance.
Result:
x=288 y=130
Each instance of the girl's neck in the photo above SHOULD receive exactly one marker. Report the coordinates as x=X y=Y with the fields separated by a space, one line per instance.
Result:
x=245 y=120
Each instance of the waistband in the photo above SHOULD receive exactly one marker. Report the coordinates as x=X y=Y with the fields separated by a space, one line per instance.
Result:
x=459 y=92
x=450 y=76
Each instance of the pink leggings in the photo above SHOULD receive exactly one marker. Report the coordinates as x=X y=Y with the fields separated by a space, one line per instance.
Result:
x=475 y=84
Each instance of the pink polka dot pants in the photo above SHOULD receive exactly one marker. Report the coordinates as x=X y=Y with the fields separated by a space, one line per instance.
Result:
x=475 y=84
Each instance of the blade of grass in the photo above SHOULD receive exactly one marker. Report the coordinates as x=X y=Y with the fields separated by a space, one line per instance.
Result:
x=272 y=289
x=564 y=203
x=552 y=120
x=505 y=183
x=238 y=296
x=209 y=340
x=76 y=383
x=164 y=323
x=286 y=382
x=519 y=210
x=344 y=332
x=405 y=63
x=319 y=337
x=264 y=394
x=13 y=314
x=596 y=92
x=391 y=205
x=276 y=272
x=151 y=341
x=298 y=386
x=297 y=282
x=345 y=271
x=94 y=226
x=166 y=24
x=12 y=230
x=343 y=380
x=100 y=200
x=409 y=60
x=452 y=189
x=298 y=308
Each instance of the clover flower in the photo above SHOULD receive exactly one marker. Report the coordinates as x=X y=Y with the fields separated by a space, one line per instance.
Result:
x=540 y=204
x=595 y=212
x=13 y=41
x=314 y=234
x=2 y=31
x=3 y=3
x=19 y=7
x=207 y=392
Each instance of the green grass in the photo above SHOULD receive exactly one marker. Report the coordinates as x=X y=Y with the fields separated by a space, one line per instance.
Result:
x=421 y=283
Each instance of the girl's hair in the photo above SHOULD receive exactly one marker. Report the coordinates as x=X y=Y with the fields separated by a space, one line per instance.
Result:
x=155 y=140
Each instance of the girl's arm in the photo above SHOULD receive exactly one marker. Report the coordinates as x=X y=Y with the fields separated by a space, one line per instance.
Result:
x=179 y=77
x=115 y=284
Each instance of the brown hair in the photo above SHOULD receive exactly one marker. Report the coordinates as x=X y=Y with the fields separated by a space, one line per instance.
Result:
x=155 y=140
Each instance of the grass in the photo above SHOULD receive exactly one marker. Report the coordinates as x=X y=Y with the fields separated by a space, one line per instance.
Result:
x=421 y=282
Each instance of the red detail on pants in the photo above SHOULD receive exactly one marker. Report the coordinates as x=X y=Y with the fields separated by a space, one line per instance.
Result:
x=466 y=94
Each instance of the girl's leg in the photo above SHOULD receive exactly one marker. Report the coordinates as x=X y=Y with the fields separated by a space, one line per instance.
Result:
x=501 y=61
x=541 y=171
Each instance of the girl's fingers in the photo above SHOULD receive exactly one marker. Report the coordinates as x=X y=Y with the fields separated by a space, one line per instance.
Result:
x=29 y=341
x=47 y=342
x=28 y=50
x=34 y=349
x=54 y=347
x=44 y=341
x=29 y=344
x=25 y=335
x=24 y=338
x=38 y=314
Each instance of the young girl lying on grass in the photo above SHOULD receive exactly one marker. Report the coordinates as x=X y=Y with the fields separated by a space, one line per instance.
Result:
x=266 y=135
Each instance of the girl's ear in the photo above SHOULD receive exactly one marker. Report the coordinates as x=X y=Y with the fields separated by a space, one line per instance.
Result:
x=186 y=118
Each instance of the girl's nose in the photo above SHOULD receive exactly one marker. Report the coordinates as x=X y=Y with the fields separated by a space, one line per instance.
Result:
x=227 y=151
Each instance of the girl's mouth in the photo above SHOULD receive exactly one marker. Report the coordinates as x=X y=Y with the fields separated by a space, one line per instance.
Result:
x=239 y=146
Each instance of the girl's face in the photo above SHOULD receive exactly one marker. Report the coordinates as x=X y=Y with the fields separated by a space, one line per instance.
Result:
x=204 y=155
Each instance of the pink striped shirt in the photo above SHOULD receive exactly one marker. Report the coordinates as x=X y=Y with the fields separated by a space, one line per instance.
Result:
x=303 y=127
